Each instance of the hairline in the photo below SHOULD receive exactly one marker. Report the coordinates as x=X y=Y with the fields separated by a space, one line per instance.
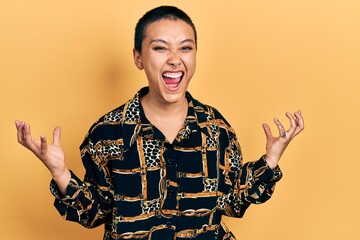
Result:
x=170 y=17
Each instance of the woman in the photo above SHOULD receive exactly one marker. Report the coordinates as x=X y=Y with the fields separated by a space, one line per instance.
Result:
x=163 y=165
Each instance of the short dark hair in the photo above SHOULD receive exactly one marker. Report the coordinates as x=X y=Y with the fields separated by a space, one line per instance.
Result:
x=167 y=12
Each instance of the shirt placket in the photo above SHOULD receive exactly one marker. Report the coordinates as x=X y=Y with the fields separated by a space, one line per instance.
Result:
x=171 y=203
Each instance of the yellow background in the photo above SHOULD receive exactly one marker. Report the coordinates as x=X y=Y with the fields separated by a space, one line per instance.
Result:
x=68 y=62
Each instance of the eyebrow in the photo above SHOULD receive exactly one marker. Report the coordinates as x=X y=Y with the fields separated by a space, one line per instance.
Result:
x=165 y=42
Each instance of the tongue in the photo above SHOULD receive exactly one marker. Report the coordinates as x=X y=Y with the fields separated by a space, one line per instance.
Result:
x=172 y=83
x=168 y=80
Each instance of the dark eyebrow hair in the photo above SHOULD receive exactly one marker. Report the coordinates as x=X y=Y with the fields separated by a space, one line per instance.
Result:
x=188 y=40
x=158 y=40
x=165 y=42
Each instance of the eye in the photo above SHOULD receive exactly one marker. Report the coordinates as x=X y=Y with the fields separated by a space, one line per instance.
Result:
x=186 y=48
x=159 y=48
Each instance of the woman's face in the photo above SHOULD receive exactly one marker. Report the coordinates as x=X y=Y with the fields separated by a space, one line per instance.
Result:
x=168 y=57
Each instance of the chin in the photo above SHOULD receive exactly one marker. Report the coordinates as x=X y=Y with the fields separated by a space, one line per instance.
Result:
x=174 y=97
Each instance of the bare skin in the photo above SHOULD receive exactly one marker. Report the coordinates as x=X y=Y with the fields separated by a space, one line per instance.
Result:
x=168 y=120
x=51 y=155
x=275 y=146
x=168 y=58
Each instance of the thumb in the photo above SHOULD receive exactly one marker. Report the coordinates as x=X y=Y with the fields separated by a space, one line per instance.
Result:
x=56 y=136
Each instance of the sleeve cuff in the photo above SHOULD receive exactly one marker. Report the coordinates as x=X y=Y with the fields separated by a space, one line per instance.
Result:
x=264 y=173
x=72 y=189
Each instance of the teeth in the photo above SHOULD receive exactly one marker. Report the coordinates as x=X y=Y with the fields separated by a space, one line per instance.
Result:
x=172 y=75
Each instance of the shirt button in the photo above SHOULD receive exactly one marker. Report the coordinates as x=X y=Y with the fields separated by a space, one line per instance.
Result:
x=169 y=224
x=170 y=193
x=171 y=161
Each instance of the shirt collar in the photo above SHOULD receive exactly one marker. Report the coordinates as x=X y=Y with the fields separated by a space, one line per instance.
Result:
x=136 y=124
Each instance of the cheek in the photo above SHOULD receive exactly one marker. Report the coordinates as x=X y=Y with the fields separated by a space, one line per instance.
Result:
x=191 y=63
x=156 y=62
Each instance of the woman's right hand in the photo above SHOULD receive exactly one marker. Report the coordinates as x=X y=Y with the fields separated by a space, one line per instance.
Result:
x=52 y=155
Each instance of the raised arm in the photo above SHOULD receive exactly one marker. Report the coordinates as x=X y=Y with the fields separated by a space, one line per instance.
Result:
x=51 y=155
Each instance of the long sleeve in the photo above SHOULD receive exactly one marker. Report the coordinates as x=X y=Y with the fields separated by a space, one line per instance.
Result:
x=253 y=182
x=87 y=202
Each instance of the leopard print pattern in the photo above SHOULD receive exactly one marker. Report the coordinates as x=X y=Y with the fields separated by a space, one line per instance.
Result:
x=112 y=149
x=235 y=202
x=152 y=153
x=234 y=156
x=211 y=143
x=151 y=206
x=132 y=111
x=222 y=201
x=114 y=116
x=210 y=184
x=235 y=159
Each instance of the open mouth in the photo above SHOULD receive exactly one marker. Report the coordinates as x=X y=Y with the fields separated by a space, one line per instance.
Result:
x=172 y=80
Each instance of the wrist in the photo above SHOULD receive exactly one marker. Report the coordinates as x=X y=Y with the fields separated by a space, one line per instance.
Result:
x=272 y=163
x=59 y=172
x=62 y=179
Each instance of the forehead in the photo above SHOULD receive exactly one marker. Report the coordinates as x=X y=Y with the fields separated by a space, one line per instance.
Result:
x=169 y=29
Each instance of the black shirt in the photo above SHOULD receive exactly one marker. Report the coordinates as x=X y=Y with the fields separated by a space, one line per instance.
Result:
x=142 y=187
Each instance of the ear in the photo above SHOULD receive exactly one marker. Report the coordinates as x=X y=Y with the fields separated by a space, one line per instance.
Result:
x=137 y=59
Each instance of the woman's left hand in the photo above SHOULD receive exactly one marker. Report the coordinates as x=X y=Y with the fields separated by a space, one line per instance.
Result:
x=275 y=146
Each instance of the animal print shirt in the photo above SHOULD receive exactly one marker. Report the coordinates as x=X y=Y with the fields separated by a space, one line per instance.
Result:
x=142 y=187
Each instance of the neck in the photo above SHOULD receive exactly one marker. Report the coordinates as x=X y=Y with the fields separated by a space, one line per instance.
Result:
x=164 y=109
x=168 y=118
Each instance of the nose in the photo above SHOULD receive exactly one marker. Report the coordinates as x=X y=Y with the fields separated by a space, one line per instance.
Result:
x=174 y=60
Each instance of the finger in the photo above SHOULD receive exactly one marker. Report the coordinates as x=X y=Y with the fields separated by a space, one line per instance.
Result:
x=27 y=138
x=56 y=136
x=267 y=131
x=17 y=124
x=300 y=122
x=293 y=124
x=43 y=145
x=20 y=131
x=281 y=128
